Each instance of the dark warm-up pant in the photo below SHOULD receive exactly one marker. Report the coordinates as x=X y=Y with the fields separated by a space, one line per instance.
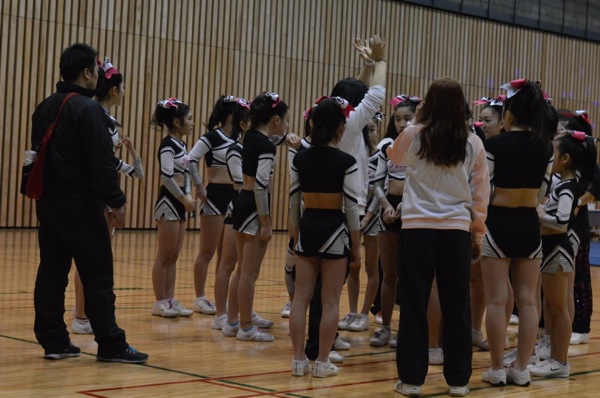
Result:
x=84 y=238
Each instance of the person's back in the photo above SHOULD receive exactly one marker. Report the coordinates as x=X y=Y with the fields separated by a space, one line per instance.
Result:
x=79 y=170
x=80 y=179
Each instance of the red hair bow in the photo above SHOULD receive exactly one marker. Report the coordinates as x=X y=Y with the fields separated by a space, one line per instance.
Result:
x=109 y=69
x=583 y=114
x=344 y=105
x=514 y=86
x=243 y=102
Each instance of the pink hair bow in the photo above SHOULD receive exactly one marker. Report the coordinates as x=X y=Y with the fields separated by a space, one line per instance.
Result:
x=513 y=87
x=274 y=97
x=478 y=124
x=579 y=135
x=109 y=69
x=397 y=100
x=243 y=102
x=169 y=103
x=584 y=115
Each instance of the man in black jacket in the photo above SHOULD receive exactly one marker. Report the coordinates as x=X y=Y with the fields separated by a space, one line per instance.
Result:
x=80 y=180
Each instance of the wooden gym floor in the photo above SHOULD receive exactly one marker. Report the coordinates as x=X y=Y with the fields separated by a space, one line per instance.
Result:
x=189 y=359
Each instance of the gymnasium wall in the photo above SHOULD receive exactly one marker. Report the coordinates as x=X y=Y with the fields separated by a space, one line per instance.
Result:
x=196 y=50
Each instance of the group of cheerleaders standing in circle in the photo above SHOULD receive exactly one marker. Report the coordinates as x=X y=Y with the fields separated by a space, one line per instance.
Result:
x=448 y=208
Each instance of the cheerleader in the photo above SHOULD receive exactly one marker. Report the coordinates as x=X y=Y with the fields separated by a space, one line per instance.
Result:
x=174 y=201
x=326 y=178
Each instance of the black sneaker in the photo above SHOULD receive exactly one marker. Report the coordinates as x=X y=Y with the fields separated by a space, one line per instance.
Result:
x=69 y=352
x=129 y=355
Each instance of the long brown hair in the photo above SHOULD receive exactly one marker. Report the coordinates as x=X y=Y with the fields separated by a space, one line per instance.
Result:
x=444 y=134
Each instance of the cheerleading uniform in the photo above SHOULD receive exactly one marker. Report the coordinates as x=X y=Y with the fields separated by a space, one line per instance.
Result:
x=213 y=147
x=388 y=171
x=258 y=161
x=324 y=232
x=173 y=160
x=516 y=160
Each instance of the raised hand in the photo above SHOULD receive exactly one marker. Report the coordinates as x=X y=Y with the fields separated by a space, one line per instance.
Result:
x=362 y=48
x=377 y=45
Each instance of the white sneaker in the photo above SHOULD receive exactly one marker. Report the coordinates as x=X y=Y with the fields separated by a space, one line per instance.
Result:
x=381 y=337
x=476 y=337
x=229 y=329
x=301 y=368
x=494 y=377
x=543 y=349
x=511 y=356
x=519 y=377
x=204 y=306
x=394 y=341
x=219 y=322
x=254 y=334
x=344 y=323
x=181 y=310
x=324 y=369
x=334 y=357
x=550 y=368
x=163 y=308
x=436 y=356
x=458 y=391
x=360 y=323
x=514 y=320
x=340 y=344
x=263 y=323
x=580 y=338
x=81 y=326
x=378 y=318
x=285 y=311
x=409 y=390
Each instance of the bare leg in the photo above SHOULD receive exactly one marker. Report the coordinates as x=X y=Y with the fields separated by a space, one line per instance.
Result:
x=307 y=269
x=495 y=281
x=253 y=254
x=233 y=307
x=225 y=268
x=525 y=276
x=169 y=244
x=353 y=283
x=371 y=256
x=555 y=290
x=388 y=250
x=210 y=236
x=332 y=272
x=477 y=297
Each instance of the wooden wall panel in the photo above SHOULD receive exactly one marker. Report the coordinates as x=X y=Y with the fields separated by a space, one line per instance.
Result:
x=198 y=50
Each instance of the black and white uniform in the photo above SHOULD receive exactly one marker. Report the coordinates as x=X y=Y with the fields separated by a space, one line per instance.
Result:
x=234 y=168
x=516 y=160
x=212 y=146
x=324 y=232
x=292 y=152
x=258 y=161
x=136 y=170
x=173 y=160
x=560 y=208
x=386 y=172
x=374 y=225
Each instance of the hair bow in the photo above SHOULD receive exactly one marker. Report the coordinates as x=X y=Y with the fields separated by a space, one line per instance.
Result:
x=578 y=135
x=478 y=124
x=229 y=98
x=109 y=69
x=243 y=102
x=274 y=97
x=397 y=100
x=584 y=115
x=499 y=101
x=169 y=103
x=344 y=105
x=513 y=87
x=379 y=116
